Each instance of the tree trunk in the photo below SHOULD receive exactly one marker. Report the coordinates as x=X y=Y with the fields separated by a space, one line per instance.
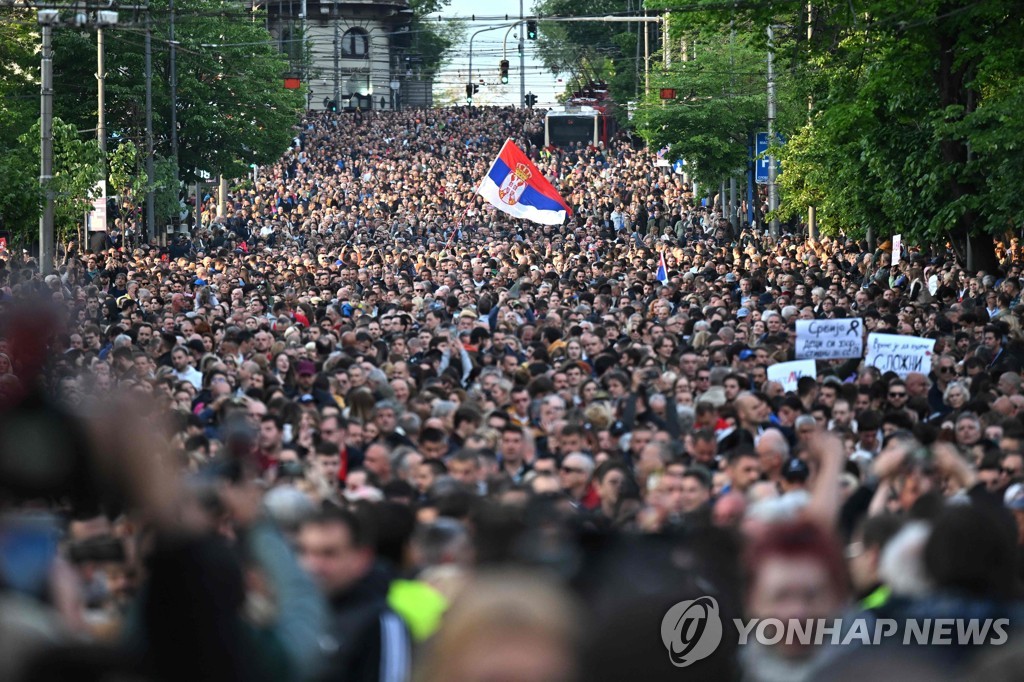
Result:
x=983 y=254
x=951 y=80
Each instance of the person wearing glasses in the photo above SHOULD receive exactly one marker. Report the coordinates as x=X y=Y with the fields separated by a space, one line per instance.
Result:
x=944 y=373
x=896 y=398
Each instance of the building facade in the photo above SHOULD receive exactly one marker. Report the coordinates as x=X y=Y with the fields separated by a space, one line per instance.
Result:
x=358 y=52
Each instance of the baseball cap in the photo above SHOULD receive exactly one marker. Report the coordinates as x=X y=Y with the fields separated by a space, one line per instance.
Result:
x=305 y=367
x=742 y=312
x=746 y=354
x=1014 y=497
x=796 y=470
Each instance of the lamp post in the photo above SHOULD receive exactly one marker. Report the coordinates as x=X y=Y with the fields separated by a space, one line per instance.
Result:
x=773 y=188
x=48 y=18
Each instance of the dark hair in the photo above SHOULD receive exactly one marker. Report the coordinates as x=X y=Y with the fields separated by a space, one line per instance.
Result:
x=877 y=531
x=972 y=550
x=699 y=474
x=357 y=524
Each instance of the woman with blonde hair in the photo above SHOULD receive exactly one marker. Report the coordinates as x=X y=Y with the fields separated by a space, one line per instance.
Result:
x=701 y=339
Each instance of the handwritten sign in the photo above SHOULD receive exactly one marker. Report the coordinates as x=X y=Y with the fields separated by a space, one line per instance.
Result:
x=789 y=373
x=897 y=248
x=829 y=339
x=900 y=354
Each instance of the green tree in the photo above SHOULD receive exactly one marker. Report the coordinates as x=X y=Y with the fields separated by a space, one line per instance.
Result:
x=721 y=100
x=232 y=107
x=916 y=117
x=429 y=41
x=590 y=50
x=77 y=167
x=125 y=168
x=19 y=109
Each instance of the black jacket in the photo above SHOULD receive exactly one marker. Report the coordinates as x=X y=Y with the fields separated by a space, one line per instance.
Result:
x=366 y=641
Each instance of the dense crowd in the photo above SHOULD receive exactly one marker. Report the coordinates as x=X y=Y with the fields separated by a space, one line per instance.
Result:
x=362 y=426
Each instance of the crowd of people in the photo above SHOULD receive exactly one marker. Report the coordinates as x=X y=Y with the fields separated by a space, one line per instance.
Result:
x=363 y=426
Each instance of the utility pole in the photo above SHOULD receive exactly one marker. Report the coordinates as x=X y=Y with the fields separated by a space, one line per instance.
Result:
x=647 y=56
x=773 y=189
x=337 y=67
x=101 y=74
x=666 y=49
x=812 y=217
x=733 y=216
x=174 y=90
x=150 y=173
x=522 y=58
x=47 y=18
x=302 y=52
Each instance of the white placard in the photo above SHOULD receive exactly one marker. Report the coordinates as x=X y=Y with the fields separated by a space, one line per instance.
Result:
x=900 y=354
x=98 y=214
x=830 y=339
x=897 y=247
x=789 y=373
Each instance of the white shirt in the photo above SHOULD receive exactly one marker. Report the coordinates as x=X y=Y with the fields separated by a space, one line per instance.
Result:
x=192 y=376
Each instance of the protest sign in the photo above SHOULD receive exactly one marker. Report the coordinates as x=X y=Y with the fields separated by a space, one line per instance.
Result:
x=829 y=339
x=789 y=373
x=897 y=248
x=900 y=354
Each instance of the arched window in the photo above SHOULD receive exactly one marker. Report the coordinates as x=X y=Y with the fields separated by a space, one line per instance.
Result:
x=355 y=44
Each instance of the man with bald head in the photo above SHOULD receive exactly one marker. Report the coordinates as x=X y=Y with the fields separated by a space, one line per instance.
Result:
x=917 y=385
x=1009 y=384
x=752 y=411
x=1004 y=406
x=772 y=450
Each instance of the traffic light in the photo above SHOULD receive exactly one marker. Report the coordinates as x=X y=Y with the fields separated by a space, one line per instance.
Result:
x=503 y=66
x=531 y=30
x=531 y=99
x=332 y=106
x=469 y=91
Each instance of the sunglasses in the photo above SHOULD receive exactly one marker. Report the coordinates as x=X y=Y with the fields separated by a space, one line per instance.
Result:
x=1010 y=472
x=947 y=370
x=897 y=395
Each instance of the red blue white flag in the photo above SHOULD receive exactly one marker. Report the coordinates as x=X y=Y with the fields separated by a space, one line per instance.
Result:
x=662 y=274
x=516 y=186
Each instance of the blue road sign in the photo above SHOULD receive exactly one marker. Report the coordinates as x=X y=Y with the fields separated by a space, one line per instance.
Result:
x=761 y=160
x=678 y=167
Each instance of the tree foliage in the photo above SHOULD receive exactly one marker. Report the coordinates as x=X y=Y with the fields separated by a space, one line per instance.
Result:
x=917 y=120
x=125 y=168
x=77 y=167
x=590 y=50
x=232 y=107
x=721 y=100
x=431 y=41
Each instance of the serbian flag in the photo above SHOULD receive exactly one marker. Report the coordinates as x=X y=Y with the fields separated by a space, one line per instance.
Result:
x=662 y=274
x=514 y=185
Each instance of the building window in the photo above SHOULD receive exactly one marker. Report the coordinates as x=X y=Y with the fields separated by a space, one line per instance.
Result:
x=355 y=44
